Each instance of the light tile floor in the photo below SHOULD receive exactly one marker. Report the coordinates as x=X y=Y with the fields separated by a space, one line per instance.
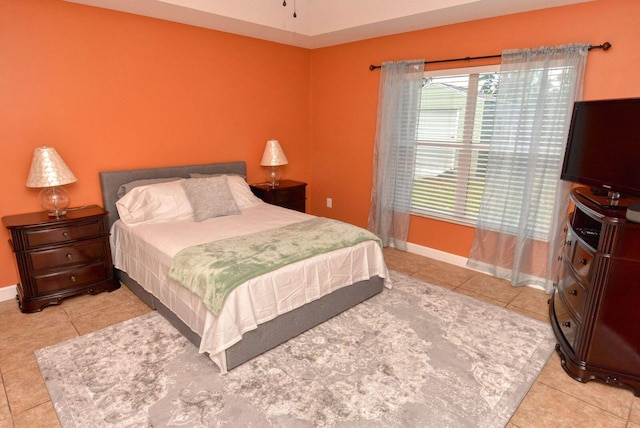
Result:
x=555 y=400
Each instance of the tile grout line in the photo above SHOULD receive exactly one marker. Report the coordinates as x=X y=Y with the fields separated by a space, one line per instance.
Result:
x=626 y=420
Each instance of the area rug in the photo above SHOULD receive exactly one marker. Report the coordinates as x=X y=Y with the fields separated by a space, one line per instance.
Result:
x=417 y=355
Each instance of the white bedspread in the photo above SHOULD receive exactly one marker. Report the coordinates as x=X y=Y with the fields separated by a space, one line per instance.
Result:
x=145 y=251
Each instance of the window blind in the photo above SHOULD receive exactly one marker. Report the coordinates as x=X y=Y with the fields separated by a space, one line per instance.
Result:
x=454 y=130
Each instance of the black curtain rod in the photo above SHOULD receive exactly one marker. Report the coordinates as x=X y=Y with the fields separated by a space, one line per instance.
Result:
x=605 y=46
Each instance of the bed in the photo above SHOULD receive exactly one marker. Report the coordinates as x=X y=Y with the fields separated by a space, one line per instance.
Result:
x=309 y=291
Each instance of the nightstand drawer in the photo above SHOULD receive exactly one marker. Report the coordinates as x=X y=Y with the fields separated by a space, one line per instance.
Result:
x=299 y=205
x=70 y=278
x=286 y=195
x=82 y=253
x=289 y=194
x=59 y=235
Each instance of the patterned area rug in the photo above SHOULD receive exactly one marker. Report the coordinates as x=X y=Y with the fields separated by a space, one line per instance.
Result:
x=414 y=356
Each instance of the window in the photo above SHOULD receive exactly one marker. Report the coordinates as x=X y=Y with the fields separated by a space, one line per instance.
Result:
x=454 y=129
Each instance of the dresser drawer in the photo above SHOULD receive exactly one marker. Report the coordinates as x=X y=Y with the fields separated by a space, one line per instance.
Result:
x=59 y=235
x=84 y=252
x=70 y=278
x=568 y=325
x=581 y=261
x=572 y=292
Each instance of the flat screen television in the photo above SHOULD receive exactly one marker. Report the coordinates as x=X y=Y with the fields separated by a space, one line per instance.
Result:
x=603 y=150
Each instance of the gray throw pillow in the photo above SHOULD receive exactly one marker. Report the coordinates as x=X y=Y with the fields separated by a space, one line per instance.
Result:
x=209 y=197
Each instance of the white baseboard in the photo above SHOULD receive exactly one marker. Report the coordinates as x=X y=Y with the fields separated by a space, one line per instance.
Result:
x=450 y=258
x=439 y=255
x=8 y=293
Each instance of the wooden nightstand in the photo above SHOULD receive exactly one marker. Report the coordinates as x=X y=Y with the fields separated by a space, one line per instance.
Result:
x=58 y=258
x=289 y=194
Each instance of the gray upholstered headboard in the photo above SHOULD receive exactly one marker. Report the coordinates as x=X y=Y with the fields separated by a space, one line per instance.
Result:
x=110 y=181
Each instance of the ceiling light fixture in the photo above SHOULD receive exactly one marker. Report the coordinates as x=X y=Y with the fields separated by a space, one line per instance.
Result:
x=284 y=3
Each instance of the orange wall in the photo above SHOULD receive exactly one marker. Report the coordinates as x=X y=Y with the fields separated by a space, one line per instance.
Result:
x=113 y=91
x=345 y=93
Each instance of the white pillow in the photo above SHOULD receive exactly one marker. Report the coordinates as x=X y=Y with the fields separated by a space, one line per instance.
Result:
x=241 y=192
x=126 y=187
x=155 y=203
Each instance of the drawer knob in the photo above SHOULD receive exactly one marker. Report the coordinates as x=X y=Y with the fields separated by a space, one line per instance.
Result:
x=567 y=324
x=583 y=262
x=69 y=256
x=72 y=278
x=65 y=234
x=573 y=292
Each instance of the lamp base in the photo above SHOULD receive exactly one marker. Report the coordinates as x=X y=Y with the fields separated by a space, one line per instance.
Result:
x=55 y=201
x=273 y=176
x=57 y=214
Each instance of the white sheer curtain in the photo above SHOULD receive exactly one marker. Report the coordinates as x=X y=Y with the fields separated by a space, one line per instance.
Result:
x=524 y=205
x=394 y=151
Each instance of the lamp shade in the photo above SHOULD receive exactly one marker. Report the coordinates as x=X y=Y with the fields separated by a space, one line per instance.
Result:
x=273 y=154
x=48 y=169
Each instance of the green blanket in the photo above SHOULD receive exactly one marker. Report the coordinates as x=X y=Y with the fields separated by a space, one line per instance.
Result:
x=214 y=269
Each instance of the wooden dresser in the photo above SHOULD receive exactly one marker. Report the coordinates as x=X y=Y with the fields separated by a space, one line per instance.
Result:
x=595 y=308
x=58 y=258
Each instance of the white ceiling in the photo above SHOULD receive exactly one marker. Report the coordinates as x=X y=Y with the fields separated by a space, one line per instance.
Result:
x=321 y=23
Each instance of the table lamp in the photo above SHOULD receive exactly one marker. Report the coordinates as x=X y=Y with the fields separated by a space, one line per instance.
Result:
x=272 y=158
x=49 y=171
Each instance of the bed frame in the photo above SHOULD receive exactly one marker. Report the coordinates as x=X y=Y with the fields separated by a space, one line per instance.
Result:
x=267 y=335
